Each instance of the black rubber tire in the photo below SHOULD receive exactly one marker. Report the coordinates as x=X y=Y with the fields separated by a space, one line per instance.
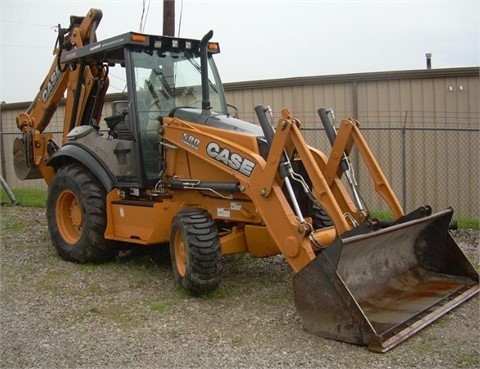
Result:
x=320 y=217
x=195 y=251
x=76 y=215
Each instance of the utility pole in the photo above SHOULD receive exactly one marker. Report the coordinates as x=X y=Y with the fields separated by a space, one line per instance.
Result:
x=169 y=18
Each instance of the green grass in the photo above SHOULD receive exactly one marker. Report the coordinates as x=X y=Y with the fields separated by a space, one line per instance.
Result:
x=161 y=305
x=30 y=197
x=467 y=361
x=383 y=215
x=463 y=222
x=469 y=223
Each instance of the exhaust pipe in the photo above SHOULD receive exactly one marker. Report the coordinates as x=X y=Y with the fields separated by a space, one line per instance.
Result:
x=204 y=70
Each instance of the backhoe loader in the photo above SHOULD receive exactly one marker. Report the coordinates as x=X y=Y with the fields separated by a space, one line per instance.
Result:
x=174 y=168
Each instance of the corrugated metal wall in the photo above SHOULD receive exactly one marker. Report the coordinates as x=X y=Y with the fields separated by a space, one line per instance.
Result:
x=423 y=127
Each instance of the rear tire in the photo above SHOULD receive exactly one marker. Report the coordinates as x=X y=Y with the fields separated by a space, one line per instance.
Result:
x=76 y=215
x=320 y=217
x=195 y=251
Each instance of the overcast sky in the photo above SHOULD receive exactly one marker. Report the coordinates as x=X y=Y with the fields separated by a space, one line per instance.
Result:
x=259 y=39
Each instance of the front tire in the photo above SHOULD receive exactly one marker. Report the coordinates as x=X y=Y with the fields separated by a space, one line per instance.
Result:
x=76 y=215
x=195 y=251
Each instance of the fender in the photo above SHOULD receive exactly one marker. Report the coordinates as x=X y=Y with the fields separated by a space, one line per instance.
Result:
x=70 y=153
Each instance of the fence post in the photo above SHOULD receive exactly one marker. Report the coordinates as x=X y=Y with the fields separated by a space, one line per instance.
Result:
x=404 y=163
x=2 y=149
x=8 y=191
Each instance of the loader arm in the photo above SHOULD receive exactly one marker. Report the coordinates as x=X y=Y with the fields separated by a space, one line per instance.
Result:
x=86 y=86
x=354 y=282
x=348 y=134
x=289 y=234
x=261 y=183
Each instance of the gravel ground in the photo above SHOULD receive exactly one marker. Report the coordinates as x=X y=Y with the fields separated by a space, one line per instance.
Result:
x=129 y=314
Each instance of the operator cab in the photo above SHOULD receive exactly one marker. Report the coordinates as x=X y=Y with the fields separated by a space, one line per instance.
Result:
x=168 y=82
x=165 y=76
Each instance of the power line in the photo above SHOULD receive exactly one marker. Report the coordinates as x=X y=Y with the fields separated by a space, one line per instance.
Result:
x=142 y=23
x=146 y=16
x=28 y=23
x=23 y=46
x=180 y=18
x=141 y=17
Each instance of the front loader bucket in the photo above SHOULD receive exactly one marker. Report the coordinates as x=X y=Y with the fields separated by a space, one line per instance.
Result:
x=378 y=289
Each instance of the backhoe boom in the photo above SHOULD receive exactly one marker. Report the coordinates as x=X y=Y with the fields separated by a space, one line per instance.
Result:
x=81 y=81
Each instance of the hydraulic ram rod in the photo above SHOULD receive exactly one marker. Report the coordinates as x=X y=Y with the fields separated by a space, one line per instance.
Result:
x=285 y=168
x=345 y=164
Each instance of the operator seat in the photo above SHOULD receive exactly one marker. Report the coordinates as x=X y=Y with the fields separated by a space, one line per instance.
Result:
x=119 y=122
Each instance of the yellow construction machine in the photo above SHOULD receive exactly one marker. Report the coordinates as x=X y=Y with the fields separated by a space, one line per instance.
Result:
x=174 y=168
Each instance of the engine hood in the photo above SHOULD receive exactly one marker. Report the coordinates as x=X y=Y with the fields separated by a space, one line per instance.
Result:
x=218 y=120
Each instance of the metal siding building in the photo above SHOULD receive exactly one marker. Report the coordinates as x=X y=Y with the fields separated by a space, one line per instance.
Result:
x=422 y=125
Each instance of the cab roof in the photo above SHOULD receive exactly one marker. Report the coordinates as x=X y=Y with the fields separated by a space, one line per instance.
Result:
x=111 y=50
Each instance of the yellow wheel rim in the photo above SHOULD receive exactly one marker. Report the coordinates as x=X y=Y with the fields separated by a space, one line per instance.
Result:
x=69 y=217
x=180 y=257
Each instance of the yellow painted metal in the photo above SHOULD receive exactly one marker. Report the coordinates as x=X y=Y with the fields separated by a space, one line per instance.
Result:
x=69 y=217
x=141 y=222
x=180 y=255
x=260 y=242
x=234 y=242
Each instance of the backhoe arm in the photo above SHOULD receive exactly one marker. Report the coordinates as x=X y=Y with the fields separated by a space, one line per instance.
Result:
x=33 y=150
x=53 y=87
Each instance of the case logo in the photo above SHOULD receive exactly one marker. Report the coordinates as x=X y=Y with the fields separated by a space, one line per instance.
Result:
x=230 y=159
x=52 y=82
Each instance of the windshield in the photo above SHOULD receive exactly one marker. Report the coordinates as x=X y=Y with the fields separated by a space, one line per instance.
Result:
x=165 y=80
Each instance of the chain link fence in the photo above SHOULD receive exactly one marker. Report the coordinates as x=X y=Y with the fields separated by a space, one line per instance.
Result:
x=425 y=166
x=436 y=167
